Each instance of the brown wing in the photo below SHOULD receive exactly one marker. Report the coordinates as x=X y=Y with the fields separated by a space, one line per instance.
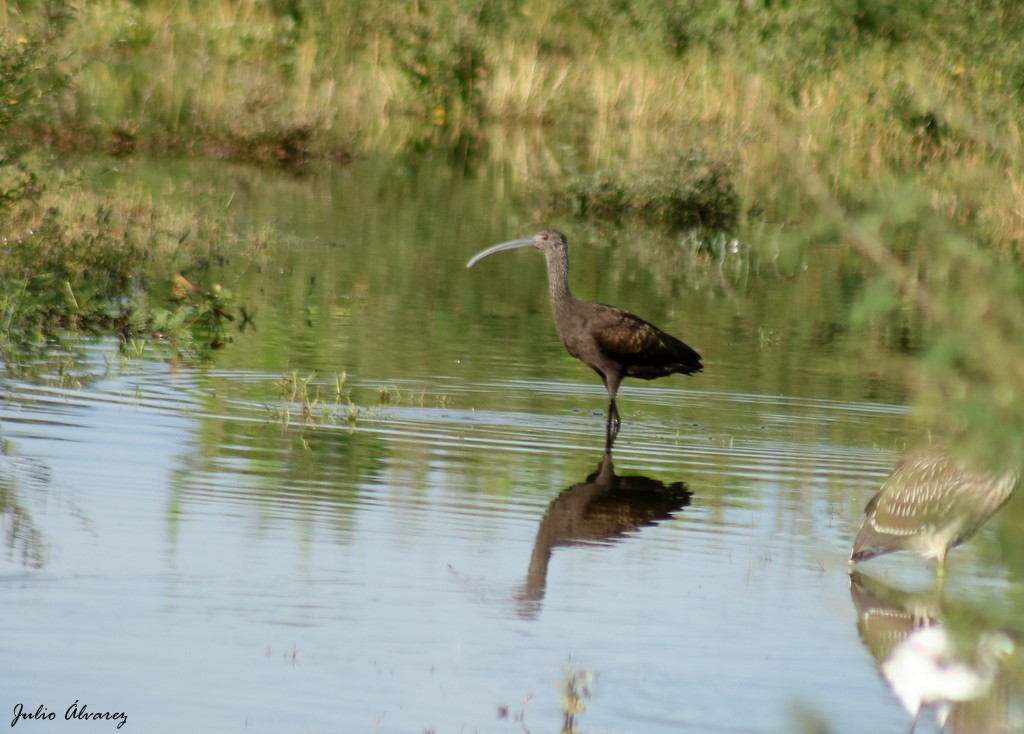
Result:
x=642 y=348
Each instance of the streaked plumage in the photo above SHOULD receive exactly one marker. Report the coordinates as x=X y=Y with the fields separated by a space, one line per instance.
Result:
x=929 y=504
x=613 y=342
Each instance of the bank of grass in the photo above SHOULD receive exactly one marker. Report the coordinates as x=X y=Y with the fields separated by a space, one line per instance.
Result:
x=74 y=261
x=876 y=89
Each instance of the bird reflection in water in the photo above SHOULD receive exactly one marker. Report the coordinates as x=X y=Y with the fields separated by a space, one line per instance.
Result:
x=604 y=507
x=926 y=664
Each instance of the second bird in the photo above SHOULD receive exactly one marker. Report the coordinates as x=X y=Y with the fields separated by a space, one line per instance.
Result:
x=930 y=503
x=611 y=341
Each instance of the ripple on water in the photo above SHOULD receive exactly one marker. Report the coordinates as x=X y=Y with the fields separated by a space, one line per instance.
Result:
x=405 y=556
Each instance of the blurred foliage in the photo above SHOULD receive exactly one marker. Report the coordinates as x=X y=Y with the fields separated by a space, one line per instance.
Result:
x=969 y=378
x=440 y=49
x=23 y=540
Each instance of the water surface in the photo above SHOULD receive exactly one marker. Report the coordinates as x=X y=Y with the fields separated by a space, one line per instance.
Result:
x=440 y=545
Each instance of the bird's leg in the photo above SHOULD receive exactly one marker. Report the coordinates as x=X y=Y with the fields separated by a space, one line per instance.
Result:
x=611 y=382
x=940 y=574
x=612 y=428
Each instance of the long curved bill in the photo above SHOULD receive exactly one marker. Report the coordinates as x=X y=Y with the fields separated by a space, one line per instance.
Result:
x=511 y=245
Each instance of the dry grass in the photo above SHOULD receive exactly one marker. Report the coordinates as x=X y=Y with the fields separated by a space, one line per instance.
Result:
x=175 y=76
x=238 y=79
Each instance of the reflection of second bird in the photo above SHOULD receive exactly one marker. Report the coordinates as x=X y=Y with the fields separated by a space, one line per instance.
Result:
x=927 y=666
x=930 y=503
x=928 y=669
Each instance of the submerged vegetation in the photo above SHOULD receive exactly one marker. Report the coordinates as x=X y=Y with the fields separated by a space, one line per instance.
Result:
x=889 y=127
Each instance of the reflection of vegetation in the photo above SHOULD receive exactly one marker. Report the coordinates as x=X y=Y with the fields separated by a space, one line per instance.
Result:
x=22 y=538
x=271 y=470
x=683 y=191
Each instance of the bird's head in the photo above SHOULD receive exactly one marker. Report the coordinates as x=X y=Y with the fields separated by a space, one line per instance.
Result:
x=547 y=241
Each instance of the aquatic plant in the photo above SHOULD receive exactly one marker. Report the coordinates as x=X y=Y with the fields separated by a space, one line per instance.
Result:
x=388 y=395
x=575 y=687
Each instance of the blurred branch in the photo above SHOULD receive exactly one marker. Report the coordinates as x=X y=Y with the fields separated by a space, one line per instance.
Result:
x=968 y=379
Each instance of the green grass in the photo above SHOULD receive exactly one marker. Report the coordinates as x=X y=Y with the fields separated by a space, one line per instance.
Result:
x=270 y=77
x=875 y=90
x=78 y=262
